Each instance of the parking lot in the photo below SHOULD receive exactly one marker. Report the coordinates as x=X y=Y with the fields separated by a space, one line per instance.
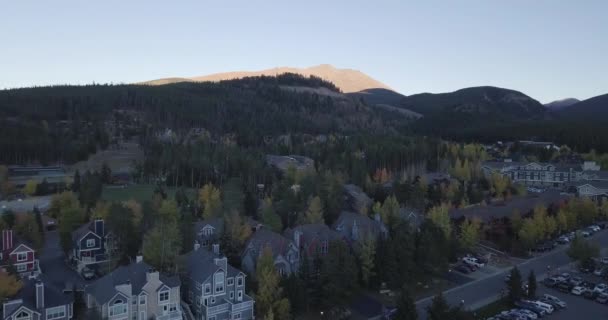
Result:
x=578 y=308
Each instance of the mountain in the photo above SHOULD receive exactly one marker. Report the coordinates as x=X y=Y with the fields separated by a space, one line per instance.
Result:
x=560 y=104
x=476 y=101
x=595 y=109
x=347 y=80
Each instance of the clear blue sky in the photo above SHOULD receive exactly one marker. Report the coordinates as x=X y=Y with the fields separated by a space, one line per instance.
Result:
x=548 y=49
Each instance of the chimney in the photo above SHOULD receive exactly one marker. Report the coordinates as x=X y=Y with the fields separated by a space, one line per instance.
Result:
x=216 y=248
x=139 y=259
x=196 y=245
x=151 y=275
x=99 y=227
x=355 y=231
x=7 y=239
x=39 y=295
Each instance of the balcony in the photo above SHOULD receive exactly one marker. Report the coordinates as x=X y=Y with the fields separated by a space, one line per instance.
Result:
x=245 y=305
x=217 y=309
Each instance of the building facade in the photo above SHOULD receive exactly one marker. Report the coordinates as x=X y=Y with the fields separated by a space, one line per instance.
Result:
x=136 y=292
x=18 y=255
x=91 y=245
x=216 y=290
x=38 y=300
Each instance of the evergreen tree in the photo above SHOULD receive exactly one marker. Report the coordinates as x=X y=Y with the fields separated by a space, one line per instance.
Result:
x=338 y=274
x=532 y=285
x=367 y=257
x=314 y=214
x=406 y=308
x=76 y=182
x=514 y=285
x=269 y=217
x=439 y=308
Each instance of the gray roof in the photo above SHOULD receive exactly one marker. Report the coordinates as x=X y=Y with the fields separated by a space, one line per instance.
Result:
x=201 y=265
x=53 y=297
x=345 y=222
x=503 y=209
x=596 y=175
x=267 y=238
x=311 y=234
x=284 y=162
x=356 y=198
x=83 y=230
x=597 y=184
x=135 y=274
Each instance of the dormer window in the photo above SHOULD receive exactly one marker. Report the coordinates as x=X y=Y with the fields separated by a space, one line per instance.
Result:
x=219 y=282
x=90 y=243
x=230 y=281
x=207 y=288
x=239 y=281
x=118 y=308
x=207 y=231
x=163 y=296
x=21 y=256
x=23 y=316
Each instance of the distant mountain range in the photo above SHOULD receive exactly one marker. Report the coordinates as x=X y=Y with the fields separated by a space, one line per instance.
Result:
x=593 y=109
x=560 y=104
x=347 y=80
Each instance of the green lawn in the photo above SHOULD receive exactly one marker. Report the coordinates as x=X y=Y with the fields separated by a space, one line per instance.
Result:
x=139 y=192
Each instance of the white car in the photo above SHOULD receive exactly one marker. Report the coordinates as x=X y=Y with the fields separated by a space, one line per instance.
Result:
x=595 y=228
x=528 y=313
x=473 y=261
x=545 y=306
x=600 y=288
x=578 y=291
x=557 y=301
x=604 y=260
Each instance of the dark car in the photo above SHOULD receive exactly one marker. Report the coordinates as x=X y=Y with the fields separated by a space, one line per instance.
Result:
x=591 y=295
x=602 y=298
x=564 y=287
x=462 y=268
x=550 y=282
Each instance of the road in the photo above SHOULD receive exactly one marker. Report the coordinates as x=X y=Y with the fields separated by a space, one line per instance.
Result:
x=483 y=291
x=54 y=268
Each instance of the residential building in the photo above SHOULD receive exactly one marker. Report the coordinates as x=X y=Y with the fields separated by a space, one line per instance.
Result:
x=505 y=209
x=136 y=292
x=545 y=174
x=595 y=190
x=18 y=254
x=208 y=232
x=312 y=240
x=92 y=244
x=216 y=290
x=354 y=227
x=284 y=252
x=38 y=300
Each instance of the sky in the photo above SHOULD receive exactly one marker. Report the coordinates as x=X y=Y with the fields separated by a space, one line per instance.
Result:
x=548 y=49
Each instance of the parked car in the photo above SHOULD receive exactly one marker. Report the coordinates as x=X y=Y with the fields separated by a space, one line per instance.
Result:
x=585 y=269
x=585 y=233
x=578 y=290
x=604 y=260
x=564 y=287
x=601 y=288
x=545 y=306
x=595 y=228
x=473 y=261
x=602 y=298
x=462 y=268
x=600 y=271
x=563 y=240
x=576 y=281
x=590 y=294
x=527 y=313
x=554 y=301
x=566 y=276
x=550 y=282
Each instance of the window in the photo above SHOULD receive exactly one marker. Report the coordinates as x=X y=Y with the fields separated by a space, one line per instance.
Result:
x=212 y=299
x=236 y=316
x=281 y=271
x=142 y=299
x=207 y=231
x=55 y=313
x=231 y=295
x=134 y=315
x=240 y=295
x=205 y=302
x=21 y=256
x=324 y=247
x=173 y=307
x=239 y=281
x=118 y=308
x=230 y=281
x=23 y=316
x=90 y=243
x=207 y=288
x=163 y=296
x=134 y=300
x=219 y=282
x=21 y=267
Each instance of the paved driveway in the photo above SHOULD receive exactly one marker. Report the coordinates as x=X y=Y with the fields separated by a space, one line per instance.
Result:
x=54 y=268
x=483 y=291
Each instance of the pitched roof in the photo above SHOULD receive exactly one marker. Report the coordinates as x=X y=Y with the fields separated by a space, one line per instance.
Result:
x=267 y=238
x=345 y=222
x=505 y=209
x=53 y=296
x=313 y=233
x=201 y=265
x=135 y=274
x=216 y=223
x=82 y=231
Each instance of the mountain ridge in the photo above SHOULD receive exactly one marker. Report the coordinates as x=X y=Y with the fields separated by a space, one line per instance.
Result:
x=348 y=80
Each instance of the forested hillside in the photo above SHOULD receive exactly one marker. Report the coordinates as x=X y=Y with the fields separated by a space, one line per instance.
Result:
x=65 y=123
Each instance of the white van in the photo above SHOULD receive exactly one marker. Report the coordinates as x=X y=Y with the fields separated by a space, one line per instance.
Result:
x=545 y=306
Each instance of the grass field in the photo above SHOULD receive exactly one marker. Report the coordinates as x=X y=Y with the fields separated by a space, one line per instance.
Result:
x=139 y=192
